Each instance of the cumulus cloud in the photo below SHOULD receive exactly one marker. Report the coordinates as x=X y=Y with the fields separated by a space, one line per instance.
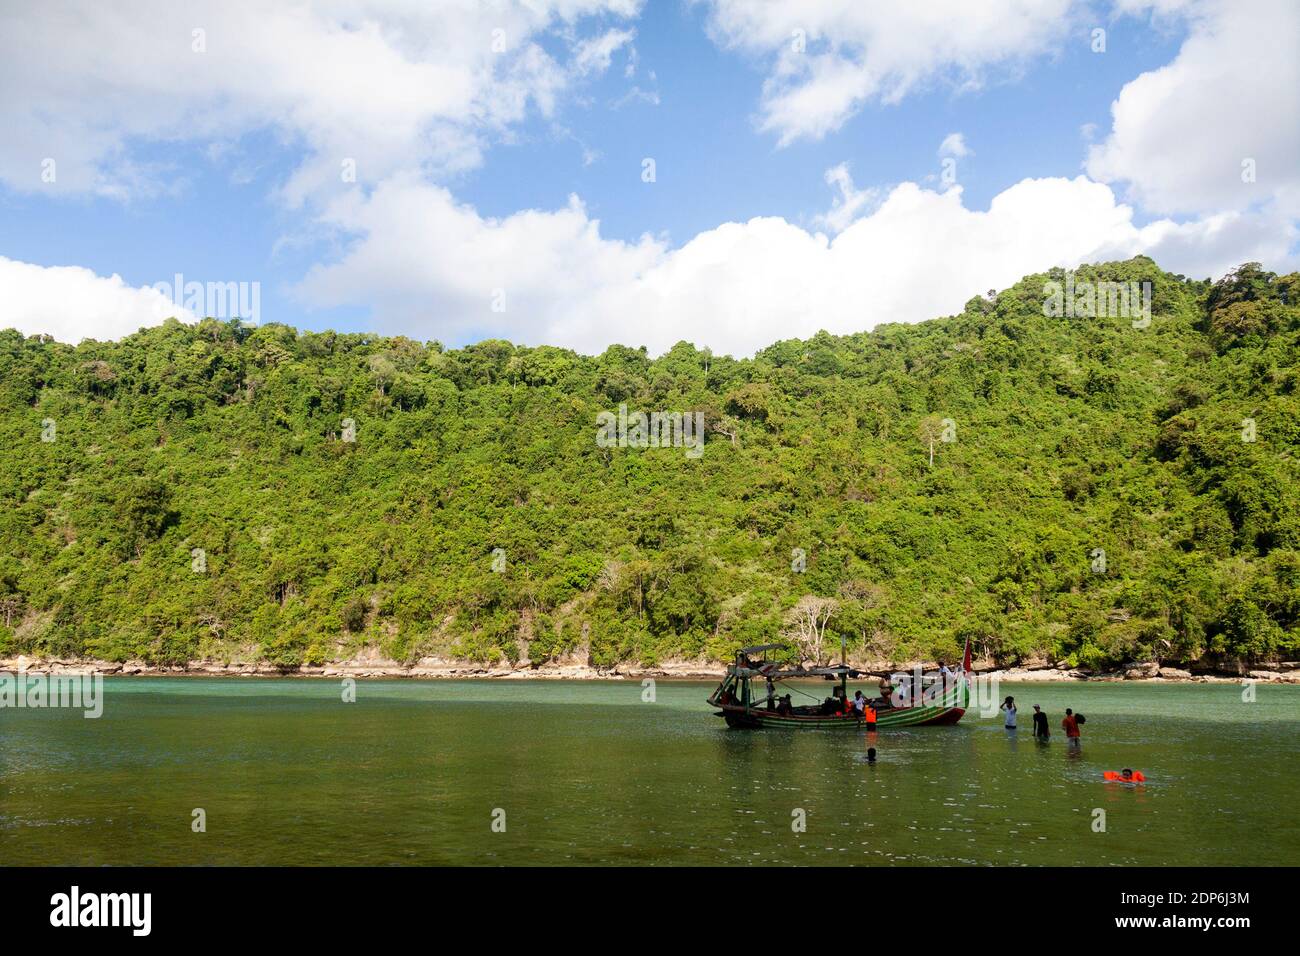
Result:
x=1182 y=133
x=72 y=303
x=829 y=58
x=373 y=88
x=390 y=85
x=411 y=91
x=433 y=268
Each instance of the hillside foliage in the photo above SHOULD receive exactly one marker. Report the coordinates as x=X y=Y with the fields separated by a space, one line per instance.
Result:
x=1072 y=488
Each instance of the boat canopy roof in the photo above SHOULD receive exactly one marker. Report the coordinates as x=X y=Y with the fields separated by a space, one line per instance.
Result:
x=778 y=672
x=775 y=670
x=760 y=648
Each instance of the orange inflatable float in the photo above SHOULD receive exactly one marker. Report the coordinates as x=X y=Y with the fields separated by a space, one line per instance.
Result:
x=1125 y=776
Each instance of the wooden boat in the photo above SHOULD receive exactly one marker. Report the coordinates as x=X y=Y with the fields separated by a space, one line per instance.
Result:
x=742 y=707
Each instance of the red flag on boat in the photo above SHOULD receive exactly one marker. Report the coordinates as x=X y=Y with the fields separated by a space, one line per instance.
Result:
x=965 y=660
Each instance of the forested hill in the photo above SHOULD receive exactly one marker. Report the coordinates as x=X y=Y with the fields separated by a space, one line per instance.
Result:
x=1095 y=495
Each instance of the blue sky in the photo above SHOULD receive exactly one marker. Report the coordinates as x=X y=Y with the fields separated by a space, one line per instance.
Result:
x=174 y=166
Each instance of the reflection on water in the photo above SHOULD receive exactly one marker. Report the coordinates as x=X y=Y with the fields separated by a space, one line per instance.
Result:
x=586 y=772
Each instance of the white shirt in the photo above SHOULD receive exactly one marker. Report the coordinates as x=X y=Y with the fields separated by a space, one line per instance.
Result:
x=1011 y=714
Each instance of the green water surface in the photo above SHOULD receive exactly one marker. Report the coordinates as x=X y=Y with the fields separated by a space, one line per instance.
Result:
x=415 y=772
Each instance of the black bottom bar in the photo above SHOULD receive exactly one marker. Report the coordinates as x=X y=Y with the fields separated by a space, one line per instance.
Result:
x=334 y=905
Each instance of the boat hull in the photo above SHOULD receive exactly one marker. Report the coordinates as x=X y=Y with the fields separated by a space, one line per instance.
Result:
x=756 y=719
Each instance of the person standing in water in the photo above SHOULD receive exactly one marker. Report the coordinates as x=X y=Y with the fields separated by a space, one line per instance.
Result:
x=1071 y=727
x=1040 y=724
x=1009 y=709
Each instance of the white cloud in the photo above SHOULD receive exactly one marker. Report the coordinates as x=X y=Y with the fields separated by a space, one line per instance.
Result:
x=849 y=204
x=1209 y=247
x=412 y=91
x=635 y=95
x=72 y=303
x=393 y=85
x=593 y=55
x=954 y=144
x=1181 y=133
x=431 y=267
x=859 y=51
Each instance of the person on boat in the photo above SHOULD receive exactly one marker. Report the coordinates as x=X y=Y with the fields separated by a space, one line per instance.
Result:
x=1071 y=726
x=771 y=695
x=1040 y=724
x=859 y=704
x=785 y=708
x=1009 y=709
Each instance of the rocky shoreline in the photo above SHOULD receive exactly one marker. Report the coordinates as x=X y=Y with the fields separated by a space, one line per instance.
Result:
x=434 y=668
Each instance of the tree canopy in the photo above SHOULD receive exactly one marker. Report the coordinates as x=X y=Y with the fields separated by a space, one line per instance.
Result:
x=1078 y=488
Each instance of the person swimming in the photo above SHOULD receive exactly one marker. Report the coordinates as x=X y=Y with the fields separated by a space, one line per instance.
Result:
x=1127 y=775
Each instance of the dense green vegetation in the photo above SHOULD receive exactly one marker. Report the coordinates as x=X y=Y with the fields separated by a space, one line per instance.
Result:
x=1073 y=434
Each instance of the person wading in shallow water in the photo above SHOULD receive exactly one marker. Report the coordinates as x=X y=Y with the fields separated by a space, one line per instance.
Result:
x=1040 y=724
x=1009 y=708
x=1071 y=726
